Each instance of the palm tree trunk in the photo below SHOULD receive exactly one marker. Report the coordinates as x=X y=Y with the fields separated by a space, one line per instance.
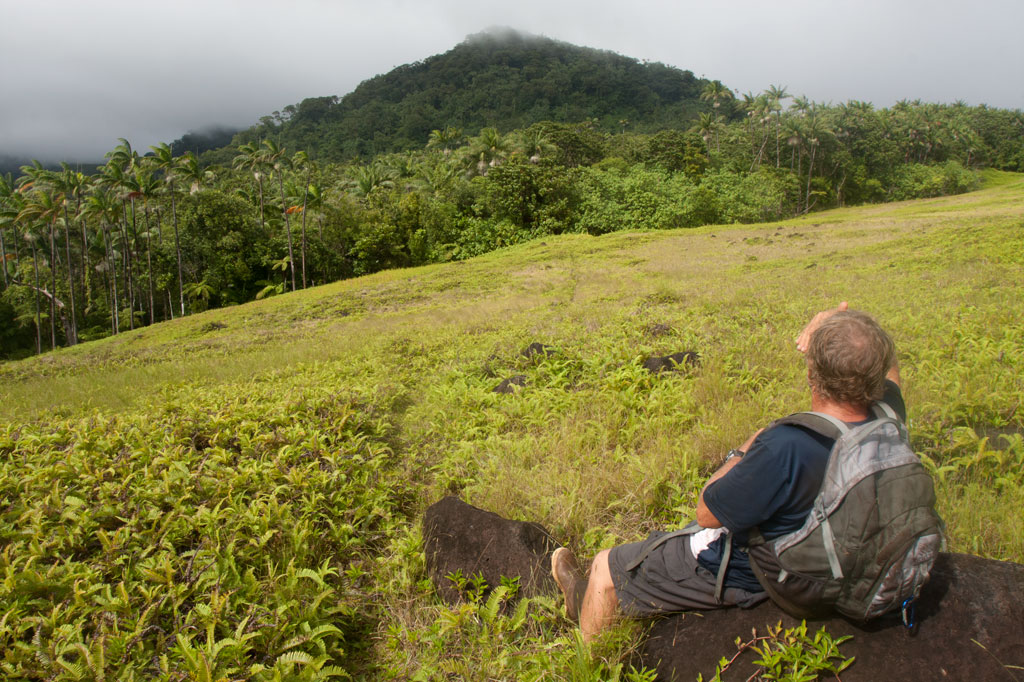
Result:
x=3 y=258
x=287 y=228
x=177 y=250
x=305 y=197
x=73 y=337
x=778 y=132
x=259 y=182
x=86 y=272
x=135 y=267
x=127 y=263
x=115 y=321
x=53 y=290
x=149 y=264
x=810 y=173
x=39 y=322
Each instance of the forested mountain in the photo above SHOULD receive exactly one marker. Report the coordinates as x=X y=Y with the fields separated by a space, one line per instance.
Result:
x=501 y=79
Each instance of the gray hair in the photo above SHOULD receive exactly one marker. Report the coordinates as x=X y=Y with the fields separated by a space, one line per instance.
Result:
x=849 y=357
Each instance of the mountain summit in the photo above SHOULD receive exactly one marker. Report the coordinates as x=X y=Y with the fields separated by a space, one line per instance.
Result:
x=500 y=78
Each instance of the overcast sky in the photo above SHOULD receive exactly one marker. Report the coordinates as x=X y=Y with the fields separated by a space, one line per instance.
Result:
x=78 y=74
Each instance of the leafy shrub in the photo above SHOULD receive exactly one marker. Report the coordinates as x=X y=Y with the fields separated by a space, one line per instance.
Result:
x=767 y=194
x=918 y=181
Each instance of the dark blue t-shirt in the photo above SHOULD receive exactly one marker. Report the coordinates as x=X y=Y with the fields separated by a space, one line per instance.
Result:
x=772 y=488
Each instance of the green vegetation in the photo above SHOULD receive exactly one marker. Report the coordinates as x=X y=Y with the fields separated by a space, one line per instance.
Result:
x=238 y=493
x=500 y=79
x=790 y=654
x=150 y=238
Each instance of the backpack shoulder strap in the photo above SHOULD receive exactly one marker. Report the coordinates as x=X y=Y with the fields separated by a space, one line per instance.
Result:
x=818 y=422
x=882 y=409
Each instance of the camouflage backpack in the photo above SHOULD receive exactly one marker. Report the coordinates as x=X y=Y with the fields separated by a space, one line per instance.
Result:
x=870 y=540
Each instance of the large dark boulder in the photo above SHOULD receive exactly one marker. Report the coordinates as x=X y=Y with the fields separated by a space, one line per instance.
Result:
x=970 y=614
x=460 y=537
x=970 y=627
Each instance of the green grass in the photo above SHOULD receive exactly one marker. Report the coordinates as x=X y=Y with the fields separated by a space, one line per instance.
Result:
x=331 y=418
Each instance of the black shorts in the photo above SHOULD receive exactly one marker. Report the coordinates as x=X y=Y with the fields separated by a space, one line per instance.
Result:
x=669 y=580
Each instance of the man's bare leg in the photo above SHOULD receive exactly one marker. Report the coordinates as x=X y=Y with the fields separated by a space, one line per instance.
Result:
x=600 y=601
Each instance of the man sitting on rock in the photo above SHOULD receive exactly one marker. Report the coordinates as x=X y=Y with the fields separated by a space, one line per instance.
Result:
x=770 y=483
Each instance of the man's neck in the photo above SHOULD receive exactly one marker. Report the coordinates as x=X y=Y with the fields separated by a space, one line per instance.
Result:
x=846 y=412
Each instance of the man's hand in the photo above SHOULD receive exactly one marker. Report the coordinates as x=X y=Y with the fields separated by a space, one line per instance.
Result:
x=803 y=341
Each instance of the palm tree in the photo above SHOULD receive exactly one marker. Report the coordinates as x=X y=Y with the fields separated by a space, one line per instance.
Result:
x=191 y=173
x=445 y=140
x=251 y=156
x=145 y=187
x=716 y=93
x=533 y=143
x=485 y=151
x=116 y=175
x=371 y=178
x=794 y=138
x=13 y=203
x=802 y=105
x=44 y=207
x=276 y=159
x=815 y=129
x=775 y=96
x=172 y=168
x=758 y=111
x=102 y=205
x=708 y=128
x=31 y=237
x=8 y=213
x=73 y=185
x=301 y=161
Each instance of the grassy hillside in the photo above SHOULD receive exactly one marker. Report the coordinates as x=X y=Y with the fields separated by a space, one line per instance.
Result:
x=241 y=489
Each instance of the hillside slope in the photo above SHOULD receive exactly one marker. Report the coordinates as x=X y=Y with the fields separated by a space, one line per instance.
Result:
x=291 y=444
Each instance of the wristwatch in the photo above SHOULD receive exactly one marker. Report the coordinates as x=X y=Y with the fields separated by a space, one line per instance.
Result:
x=733 y=453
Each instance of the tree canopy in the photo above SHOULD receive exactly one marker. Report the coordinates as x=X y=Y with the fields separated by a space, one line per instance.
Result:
x=504 y=80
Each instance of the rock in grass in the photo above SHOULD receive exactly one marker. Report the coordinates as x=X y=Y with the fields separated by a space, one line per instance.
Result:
x=511 y=385
x=460 y=537
x=672 y=363
x=535 y=349
x=970 y=627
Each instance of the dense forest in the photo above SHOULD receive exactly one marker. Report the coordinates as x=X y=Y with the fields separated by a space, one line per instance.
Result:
x=500 y=79
x=151 y=237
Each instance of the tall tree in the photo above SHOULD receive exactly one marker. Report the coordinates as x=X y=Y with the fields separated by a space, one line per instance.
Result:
x=73 y=187
x=775 y=95
x=253 y=157
x=102 y=204
x=716 y=93
x=116 y=175
x=145 y=186
x=171 y=169
x=302 y=162
x=275 y=158
x=444 y=140
x=44 y=206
